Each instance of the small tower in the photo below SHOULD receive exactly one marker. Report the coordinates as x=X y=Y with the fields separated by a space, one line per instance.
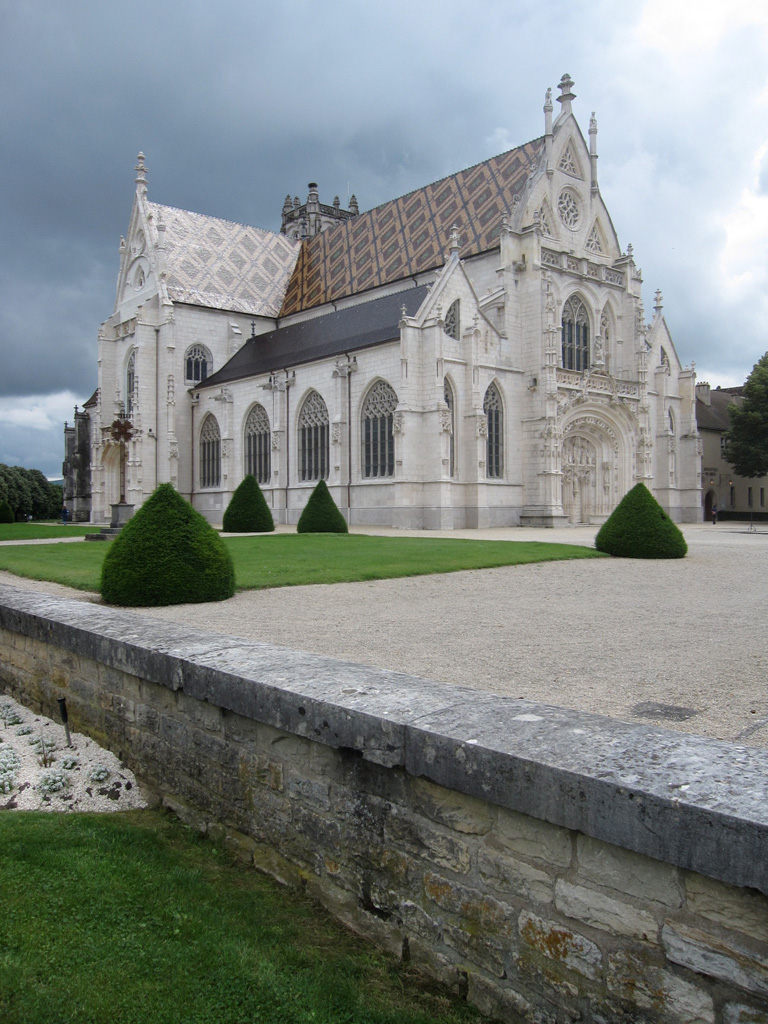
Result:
x=309 y=219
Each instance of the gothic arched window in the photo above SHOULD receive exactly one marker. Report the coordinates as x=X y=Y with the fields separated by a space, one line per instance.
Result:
x=258 y=444
x=449 y=401
x=453 y=320
x=197 y=364
x=494 y=414
x=575 y=331
x=378 y=431
x=130 y=384
x=313 y=438
x=210 y=453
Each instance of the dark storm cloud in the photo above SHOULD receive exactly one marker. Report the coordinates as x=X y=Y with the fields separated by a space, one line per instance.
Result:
x=238 y=103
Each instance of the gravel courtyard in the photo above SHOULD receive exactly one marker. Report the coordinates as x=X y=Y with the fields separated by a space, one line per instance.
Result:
x=679 y=643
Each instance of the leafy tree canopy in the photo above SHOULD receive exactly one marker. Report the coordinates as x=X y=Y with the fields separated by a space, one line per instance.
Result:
x=29 y=493
x=746 y=442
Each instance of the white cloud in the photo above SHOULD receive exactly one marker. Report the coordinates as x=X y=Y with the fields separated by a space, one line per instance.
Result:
x=38 y=412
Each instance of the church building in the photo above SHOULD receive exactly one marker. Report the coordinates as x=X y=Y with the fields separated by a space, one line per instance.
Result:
x=475 y=353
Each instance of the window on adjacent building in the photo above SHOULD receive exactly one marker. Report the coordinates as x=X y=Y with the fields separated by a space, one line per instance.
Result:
x=575 y=335
x=378 y=431
x=762 y=497
x=749 y=497
x=449 y=401
x=197 y=364
x=313 y=438
x=210 y=453
x=733 y=496
x=493 y=410
x=258 y=444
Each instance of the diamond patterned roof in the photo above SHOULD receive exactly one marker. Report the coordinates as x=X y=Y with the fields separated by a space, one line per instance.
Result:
x=223 y=265
x=410 y=235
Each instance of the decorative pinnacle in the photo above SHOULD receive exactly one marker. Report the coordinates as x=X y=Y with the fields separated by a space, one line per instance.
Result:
x=658 y=301
x=141 y=171
x=454 y=244
x=548 y=100
x=565 y=86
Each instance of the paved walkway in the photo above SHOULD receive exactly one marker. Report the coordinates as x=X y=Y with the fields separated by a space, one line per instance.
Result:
x=680 y=643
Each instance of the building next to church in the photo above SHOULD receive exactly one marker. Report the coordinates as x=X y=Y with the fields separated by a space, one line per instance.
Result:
x=475 y=353
x=723 y=490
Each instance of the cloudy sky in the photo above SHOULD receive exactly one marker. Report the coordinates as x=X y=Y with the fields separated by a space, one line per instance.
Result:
x=238 y=102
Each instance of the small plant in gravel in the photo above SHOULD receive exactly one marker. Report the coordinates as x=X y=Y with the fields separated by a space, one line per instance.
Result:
x=248 y=511
x=167 y=554
x=25 y=730
x=9 y=765
x=99 y=773
x=53 y=782
x=68 y=762
x=9 y=715
x=321 y=513
x=640 y=528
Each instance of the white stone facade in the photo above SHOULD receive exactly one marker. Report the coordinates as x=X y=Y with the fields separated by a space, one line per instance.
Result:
x=528 y=386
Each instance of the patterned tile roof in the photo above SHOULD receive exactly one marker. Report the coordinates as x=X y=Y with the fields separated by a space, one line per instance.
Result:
x=223 y=265
x=409 y=235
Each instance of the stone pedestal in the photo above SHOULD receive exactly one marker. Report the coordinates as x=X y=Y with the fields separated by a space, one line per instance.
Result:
x=121 y=513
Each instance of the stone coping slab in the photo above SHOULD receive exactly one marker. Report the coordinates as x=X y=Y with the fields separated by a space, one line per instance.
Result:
x=691 y=801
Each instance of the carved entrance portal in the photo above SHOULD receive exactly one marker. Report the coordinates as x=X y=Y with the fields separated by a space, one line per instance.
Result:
x=589 y=465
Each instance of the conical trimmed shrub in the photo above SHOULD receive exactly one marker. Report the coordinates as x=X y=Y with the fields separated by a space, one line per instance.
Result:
x=6 y=512
x=167 y=554
x=640 y=528
x=321 y=513
x=248 y=511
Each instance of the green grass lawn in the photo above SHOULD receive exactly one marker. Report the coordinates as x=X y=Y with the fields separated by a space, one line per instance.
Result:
x=132 y=918
x=284 y=560
x=42 y=531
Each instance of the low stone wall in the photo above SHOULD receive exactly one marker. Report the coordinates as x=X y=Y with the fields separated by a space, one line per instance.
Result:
x=549 y=865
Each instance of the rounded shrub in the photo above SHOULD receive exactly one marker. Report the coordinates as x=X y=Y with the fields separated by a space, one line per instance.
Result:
x=6 y=512
x=321 y=513
x=640 y=528
x=248 y=511
x=167 y=554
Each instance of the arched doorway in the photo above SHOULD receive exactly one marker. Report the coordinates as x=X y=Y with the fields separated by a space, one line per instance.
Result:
x=710 y=502
x=596 y=468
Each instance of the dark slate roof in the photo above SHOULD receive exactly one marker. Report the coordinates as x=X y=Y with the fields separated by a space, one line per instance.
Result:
x=715 y=415
x=345 y=330
x=410 y=235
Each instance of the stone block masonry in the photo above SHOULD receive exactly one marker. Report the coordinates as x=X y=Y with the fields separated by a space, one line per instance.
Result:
x=549 y=865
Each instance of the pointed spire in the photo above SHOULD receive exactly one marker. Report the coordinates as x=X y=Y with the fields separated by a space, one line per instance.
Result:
x=141 y=174
x=658 y=302
x=565 y=86
x=454 y=245
x=593 y=149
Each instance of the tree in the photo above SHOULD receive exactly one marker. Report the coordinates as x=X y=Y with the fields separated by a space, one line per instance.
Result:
x=640 y=528
x=321 y=513
x=167 y=554
x=746 y=441
x=248 y=511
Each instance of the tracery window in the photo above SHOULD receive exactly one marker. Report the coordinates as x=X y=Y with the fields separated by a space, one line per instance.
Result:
x=258 y=444
x=130 y=384
x=575 y=334
x=378 y=431
x=544 y=224
x=494 y=414
x=313 y=439
x=593 y=242
x=197 y=364
x=210 y=453
x=452 y=321
x=567 y=163
x=449 y=401
x=568 y=209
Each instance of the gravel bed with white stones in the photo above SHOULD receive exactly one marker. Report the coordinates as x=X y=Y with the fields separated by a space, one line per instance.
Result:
x=39 y=771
